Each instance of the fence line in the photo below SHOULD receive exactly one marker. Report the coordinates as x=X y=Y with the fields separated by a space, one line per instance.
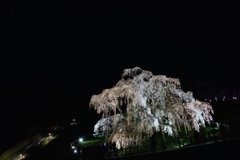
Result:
x=198 y=139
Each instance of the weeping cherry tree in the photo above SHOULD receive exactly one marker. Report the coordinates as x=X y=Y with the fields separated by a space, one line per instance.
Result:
x=142 y=103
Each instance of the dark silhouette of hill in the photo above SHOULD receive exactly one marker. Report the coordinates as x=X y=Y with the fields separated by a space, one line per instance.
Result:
x=34 y=101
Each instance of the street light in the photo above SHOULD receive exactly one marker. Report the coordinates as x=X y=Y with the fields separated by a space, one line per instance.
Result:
x=74 y=147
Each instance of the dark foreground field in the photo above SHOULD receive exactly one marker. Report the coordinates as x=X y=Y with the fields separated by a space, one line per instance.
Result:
x=59 y=149
x=222 y=150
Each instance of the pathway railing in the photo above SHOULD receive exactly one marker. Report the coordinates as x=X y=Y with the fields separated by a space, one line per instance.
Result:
x=200 y=139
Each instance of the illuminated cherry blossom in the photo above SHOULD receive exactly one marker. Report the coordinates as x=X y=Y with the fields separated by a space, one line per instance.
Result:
x=142 y=103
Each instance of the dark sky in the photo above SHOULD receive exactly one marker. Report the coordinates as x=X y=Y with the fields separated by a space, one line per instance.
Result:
x=52 y=52
x=89 y=45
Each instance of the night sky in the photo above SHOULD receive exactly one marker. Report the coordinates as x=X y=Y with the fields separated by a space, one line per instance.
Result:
x=55 y=54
